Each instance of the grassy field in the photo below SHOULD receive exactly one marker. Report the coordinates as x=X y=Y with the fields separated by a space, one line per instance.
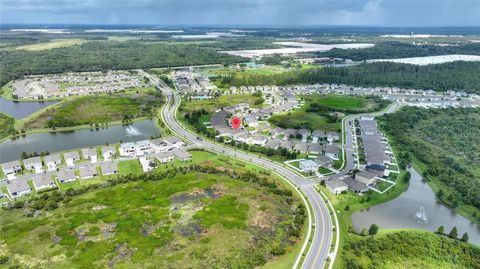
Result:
x=219 y=102
x=7 y=125
x=96 y=109
x=53 y=44
x=410 y=249
x=315 y=113
x=180 y=220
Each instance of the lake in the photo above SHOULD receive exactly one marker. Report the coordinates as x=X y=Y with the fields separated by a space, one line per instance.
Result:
x=20 y=110
x=60 y=141
x=403 y=211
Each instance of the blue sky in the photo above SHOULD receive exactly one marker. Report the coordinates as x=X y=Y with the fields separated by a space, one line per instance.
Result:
x=244 y=12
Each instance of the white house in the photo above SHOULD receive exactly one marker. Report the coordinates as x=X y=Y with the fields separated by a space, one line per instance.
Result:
x=258 y=140
x=108 y=152
x=332 y=137
x=66 y=175
x=331 y=152
x=143 y=147
x=182 y=155
x=34 y=163
x=308 y=166
x=127 y=149
x=88 y=171
x=52 y=161
x=43 y=181
x=365 y=177
x=336 y=186
x=160 y=144
x=147 y=165
x=174 y=141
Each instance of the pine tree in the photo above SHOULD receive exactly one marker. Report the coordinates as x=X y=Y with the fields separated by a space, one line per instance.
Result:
x=440 y=230
x=465 y=237
x=454 y=233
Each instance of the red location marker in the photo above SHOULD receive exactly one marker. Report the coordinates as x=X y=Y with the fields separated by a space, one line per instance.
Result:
x=236 y=122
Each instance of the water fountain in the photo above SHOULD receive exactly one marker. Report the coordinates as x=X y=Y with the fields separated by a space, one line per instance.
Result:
x=132 y=131
x=420 y=216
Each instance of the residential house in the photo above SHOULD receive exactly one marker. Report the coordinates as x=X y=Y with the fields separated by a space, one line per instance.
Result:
x=88 y=171
x=308 y=166
x=314 y=148
x=108 y=152
x=365 y=177
x=331 y=151
x=17 y=188
x=66 y=175
x=277 y=132
x=165 y=156
x=287 y=144
x=90 y=154
x=174 y=141
x=143 y=147
x=147 y=164
x=336 y=186
x=11 y=168
x=109 y=168
x=52 y=161
x=332 y=137
x=182 y=155
x=324 y=161
x=159 y=144
x=290 y=133
x=258 y=139
x=71 y=157
x=305 y=134
x=355 y=186
x=43 y=181
x=273 y=143
x=127 y=149
x=34 y=163
x=318 y=135
x=301 y=147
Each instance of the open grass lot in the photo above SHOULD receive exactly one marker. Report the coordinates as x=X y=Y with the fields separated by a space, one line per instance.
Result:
x=98 y=109
x=204 y=217
x=7 y=126
x=315 y=113
x=52 y=44
x=444 y=147
x=220 y=102
x=410 y=249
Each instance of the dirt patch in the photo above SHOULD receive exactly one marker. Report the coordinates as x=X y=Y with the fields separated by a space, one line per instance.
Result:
x=99 y=207
x=122 y=253
x=189 y=229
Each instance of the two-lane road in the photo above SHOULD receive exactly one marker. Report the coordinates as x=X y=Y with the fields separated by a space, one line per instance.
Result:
x=322 y=234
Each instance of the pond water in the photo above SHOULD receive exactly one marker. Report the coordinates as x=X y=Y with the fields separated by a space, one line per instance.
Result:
x=59 y=141
x=416 y=208
x=20 y=110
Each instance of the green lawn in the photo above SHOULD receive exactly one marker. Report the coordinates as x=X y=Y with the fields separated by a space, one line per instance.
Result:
x=130 y=167
x=97 y=109
x=180 y=220
x=222 y=101
x=53 y=44
x=324 y=170
x=7 y=126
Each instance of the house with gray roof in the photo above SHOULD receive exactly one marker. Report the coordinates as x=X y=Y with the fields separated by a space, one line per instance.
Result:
x=109 y=168
x=174 y=141
x=90 y=154
x=355 y=186
x=308 y=166
x=331 y=151
x=165 y=156
x=159 y=144
x=34 y=163
x=66 y=174
x=273 y=143
x=71 y=157
x=305 y=134
x=318 y=135
x=17 y=188
x=43 y=181
x=287 y=144
x=365 y=177
x=182 y=155
x=277 y=131
x=324 y=161
x=332 y=137
x=51 y=161
x=314 y=148
x=301 y=147
x=336 y=186
x=290 y=133
x=11 y=168
x=88 y=171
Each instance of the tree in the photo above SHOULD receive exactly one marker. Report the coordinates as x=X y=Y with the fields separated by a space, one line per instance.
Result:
x=373 y=230
x=440 y=230
x=465 y=237
x=453 y=233
x=440 y=193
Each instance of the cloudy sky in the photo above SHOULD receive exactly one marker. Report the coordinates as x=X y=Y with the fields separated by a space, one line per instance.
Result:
x=244 y=12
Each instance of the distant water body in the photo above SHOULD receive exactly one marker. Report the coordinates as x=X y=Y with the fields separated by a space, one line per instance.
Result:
x=20 y=110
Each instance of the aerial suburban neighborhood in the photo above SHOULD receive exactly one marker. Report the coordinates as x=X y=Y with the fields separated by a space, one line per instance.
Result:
x=239 y=134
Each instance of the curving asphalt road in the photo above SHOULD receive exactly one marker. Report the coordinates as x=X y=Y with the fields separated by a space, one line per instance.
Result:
x=322 y=234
